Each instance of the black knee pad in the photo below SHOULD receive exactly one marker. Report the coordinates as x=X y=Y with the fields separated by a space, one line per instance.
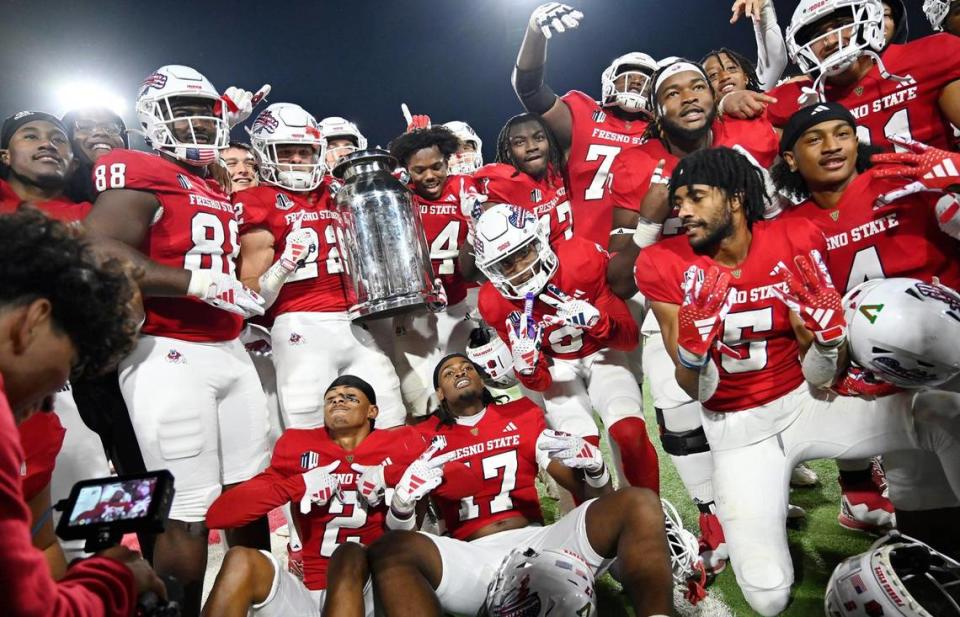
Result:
x=681 y=443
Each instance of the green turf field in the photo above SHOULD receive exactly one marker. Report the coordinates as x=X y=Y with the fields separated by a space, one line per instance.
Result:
x=817 y=546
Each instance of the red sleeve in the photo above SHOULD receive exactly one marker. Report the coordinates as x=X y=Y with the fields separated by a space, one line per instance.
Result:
x=41 y=436
x=786 y=94
x=648 y=273
x=629 y=179
x=492 y=183
x=579 y=103
x=937 y=62
x=93 y=587
x=128 y=169
x=254 y=211
x=617 y=328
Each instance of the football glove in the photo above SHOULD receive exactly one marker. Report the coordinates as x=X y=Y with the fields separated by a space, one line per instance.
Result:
x=439 y=302
x=579 y=314
x=414 y=122
x=297 y=248
x=370 y=483
x=572 y=451
x=225 y=293
x=526 y=339
x=421 y=477
x=863 y=383
x=927 y=169
x=813 y=297
x=471 y=202
x=707 y=299
x=554 y=17
x=321 y=487
x=239 y=103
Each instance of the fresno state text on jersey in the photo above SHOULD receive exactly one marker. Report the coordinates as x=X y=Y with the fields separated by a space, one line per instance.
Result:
x=597 y=138
x=764 y=363
x=195 y=228
x=545 y=198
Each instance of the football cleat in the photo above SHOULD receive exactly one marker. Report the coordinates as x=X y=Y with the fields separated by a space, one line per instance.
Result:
x=803 y=477
x=864 y=508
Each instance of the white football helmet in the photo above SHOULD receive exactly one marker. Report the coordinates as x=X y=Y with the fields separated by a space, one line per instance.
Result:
x=904 y=330
x=551 y=582
x=465 y=162
x=865 y=34
x=155 y=111
x=493 y=357
x=336 y=127
x=286 y=123
x=898 y=576
x=936 y=12
x=684 y=547
x=633 y=63
x=505 y=234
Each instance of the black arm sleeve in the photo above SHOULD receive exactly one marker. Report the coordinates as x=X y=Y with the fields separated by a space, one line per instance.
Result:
x=536 y=96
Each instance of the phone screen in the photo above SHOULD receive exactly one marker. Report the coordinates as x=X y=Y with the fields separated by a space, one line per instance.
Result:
x=113 y=501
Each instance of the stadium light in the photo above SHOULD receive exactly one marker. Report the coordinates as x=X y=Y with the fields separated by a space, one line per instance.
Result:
x=80 y=94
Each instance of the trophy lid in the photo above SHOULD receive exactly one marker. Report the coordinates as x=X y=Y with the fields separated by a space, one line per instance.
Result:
x=371 y=159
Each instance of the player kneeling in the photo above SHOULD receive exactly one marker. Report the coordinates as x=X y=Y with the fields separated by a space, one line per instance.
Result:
x=337 y=473
x=419 y=574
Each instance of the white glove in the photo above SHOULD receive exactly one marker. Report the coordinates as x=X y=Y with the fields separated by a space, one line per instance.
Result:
x=948 y=215
x=440 y=298
x=526 y=339
x=370 y=483
x=554 y=17
x=572 y=451
x=471 y=202
x=421 y=477
x=297 y=247
x=225 y=293
x=322 y=486
x=579 y=314
x=240 y=103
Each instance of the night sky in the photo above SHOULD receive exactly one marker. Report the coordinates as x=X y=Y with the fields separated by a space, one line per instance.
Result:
x=360 y=59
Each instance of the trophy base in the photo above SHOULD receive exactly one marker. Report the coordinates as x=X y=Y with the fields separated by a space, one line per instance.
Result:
x=386 y=307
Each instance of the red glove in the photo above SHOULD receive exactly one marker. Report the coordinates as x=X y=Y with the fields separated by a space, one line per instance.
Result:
x=861 y=382
x=928 y=169
x=418 y=121
x=706 y=302
x=813 y=297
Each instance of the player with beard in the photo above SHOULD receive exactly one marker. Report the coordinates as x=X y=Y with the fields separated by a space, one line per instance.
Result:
x=747 y=334
x=913 y=236
x=943 y=15
x=527 y=173
x=591 y=134
x=910 y=90
x=194 y=397
x=446 y=202
x=421 y=574
x=242 y=165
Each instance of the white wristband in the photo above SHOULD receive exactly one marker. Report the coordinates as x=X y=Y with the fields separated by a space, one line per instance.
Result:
x=272 y=280
x=647 y=233
x=199 y=283
x=820 y=365
x=708 y=381
x=395 y=522
x=598 y=481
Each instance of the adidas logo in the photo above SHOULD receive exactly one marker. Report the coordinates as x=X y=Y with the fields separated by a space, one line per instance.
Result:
x=818 y=109
x=704 y=326
x=944 y=169
x=821 y=316
x=510 y=427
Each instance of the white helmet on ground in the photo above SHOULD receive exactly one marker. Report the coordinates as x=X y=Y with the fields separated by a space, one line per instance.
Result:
x=863 y=34
x=465 y=162
x=684 y=547
x=155 y=111
x=635 y=63
x=491 y=354
x=897 y=576
x=936 y=11
x=286 y=123
x=904 y=330
x=551 y=582
x=505 y=235
x=335 y=127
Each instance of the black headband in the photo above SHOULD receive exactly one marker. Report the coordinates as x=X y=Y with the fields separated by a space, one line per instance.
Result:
x=812 y=115
x=352 y=381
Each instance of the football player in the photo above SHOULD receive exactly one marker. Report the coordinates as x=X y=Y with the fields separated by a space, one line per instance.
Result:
x=567 y=333
x=442 y=198
x=420 y=574
x=330 y=472
x=94 y=132
x=737 y=320
x=291 y=249
x=910 y=90
x=343 y=137
x=194 y=397
x=726 y=67
x=469 y=156
x=239 y=160
x=943 y=15
x=591 y=134
x=905 y=238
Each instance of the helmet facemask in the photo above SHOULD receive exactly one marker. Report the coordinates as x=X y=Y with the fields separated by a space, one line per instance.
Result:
x=177 y=136
x=860 y=32
x=466 y=162
x=530 y=279
x=627 y=98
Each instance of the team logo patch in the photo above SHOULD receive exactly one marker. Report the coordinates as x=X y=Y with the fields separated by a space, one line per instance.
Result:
x=536 y=195
x=892 y=366
x=296 y=339
x=309 y=460
x=474 y=431
x=157 y=80
x=736 y=273
x=265 y=123
x=175 y=357
x=599 y=117
x=522 y=602
x=941 y=294
x=873 y=609
x=835 y=215
x=349 y=458
x=858 y=90
x=283 y=202
x=870 y=311
x=184 y=182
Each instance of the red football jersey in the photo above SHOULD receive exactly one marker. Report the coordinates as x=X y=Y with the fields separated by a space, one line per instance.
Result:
x=546 y=198
x=633 y=170
x=196 y=228
x=319 y=286
x=41 y=436
x=758 y=325
x=902 y=239
x=61 y=209
x=885 y=107
x=597 y=138
x=503 y=445
x=446 y=231
x=581 y=274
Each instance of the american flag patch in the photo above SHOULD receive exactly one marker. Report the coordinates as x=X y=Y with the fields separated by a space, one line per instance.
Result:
x=599 y=117
x=265 y=122
x=184 y=182
x=858 y=583
x=283 y=202
x=157 y=80
x=309 y=460
x=536 y=195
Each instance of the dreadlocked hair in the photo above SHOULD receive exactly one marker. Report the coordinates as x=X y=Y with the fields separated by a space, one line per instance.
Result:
x=505 y=155
x=90 y=298
x=405 y=146
x=445 y=418
x=749 y=68
x=727 y=170
x=792 y=183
